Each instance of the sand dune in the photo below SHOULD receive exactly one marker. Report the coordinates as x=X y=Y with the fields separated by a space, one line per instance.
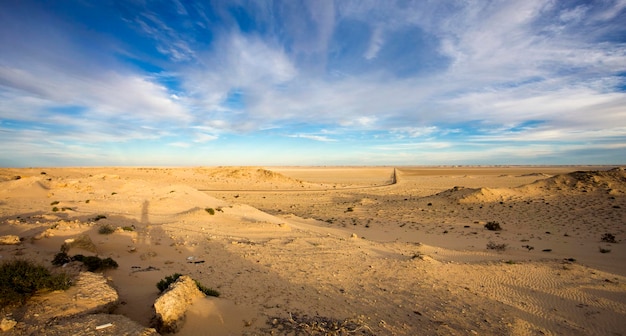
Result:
x=403 y=259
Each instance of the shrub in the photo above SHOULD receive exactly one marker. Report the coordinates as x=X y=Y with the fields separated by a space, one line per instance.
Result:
x=498 y=247
x=55 y=209
x=61 y=258
x=164 y=283
x=609 y=238
x=128 y=228
x=603 y=250
x=94 y=263
x=493 y=226
x=20 y=279
x=54 y=203
x=106 y=229
x=211 y=211
x=206 y=290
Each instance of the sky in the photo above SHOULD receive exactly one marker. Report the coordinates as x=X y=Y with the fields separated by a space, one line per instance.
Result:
x=319 y=82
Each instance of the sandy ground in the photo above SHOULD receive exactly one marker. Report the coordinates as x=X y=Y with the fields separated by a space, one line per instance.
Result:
x=395 y=251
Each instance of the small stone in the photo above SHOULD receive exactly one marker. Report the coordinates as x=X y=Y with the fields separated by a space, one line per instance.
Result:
x=9 y=240
x=7 y=324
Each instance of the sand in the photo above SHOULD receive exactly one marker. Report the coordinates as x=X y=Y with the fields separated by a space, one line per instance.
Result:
x=383 y=250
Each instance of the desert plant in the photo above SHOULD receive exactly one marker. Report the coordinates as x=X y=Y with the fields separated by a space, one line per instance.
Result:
x=55 y=209
x=206 y=290
x=164 y=283
x=128 y=228
x=61 y=258
x=106 y=229
x=94 y=263
x=609 y=238
x=54 y=203
x=493 y=226
x=211 y=211
x=498 y=247
x=20 y=279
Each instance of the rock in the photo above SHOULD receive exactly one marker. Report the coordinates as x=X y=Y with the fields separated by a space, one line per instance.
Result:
x=170 y=308
x=354 y=236
x=7 y=324
x=91 y=294
x=9 y=240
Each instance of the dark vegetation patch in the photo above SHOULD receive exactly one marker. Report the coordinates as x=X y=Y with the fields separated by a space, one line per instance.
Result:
x=164 y=284
x=21 y=279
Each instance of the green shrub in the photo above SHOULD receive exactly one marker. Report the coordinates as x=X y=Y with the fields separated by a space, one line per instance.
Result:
x=54 y=203
x=106 y=229
x=164 y=283
x=206 y=290
x=20 y=279
x=128 y=228
x=211 y=211
x=55 y=209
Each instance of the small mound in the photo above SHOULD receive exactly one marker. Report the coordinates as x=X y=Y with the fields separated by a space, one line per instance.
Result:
x=255 y=174
x=23 y=187
x=610 y=181
x=475 y=195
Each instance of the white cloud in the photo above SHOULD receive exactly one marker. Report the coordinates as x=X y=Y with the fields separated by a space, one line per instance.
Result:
x=376 y=42
x=321 y=138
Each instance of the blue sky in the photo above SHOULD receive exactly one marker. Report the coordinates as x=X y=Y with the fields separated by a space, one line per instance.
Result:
x=179 y=83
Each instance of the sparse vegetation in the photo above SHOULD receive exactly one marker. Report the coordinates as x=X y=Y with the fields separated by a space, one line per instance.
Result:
x=497 y=247
x=608 y=238
x=206 y=290
x=92 y=263
x=20 y=279
x=54 y=203
x=61 y=259
x=106 y=229
x=128 y=228
x=211 y=211
x=164 y=283
x=493 y=226
x=55 y=209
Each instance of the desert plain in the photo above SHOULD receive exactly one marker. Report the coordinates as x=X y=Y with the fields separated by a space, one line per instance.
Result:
x=374 y=250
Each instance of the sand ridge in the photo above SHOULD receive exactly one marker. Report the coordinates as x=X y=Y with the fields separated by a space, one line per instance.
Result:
x=402 y=259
